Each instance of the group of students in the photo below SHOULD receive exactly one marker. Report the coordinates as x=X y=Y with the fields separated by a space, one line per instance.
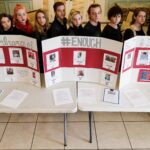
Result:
x=20 y=24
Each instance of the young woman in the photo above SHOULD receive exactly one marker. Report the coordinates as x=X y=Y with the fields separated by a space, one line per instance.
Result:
x=6 y=25
x=75 y=23
x=139 y=18
x=40 y=32
x=93 y=27
x=21 y=20
x=112 y=29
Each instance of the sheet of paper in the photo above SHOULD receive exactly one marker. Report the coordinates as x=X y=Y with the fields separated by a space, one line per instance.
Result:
x=79 y=58
x=111 y=96
x=109 y=62
x=14 y=99
x=136 y=97
x=52 y=60
x=143 y=58
x=31 y=59
x=16 y=56
x=87 y=95
x=62 y=96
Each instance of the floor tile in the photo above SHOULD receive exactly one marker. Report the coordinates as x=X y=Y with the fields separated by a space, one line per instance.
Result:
x=78 y=136
x=78 y=116
x=18 y=136
x=4 y=117
x=112 y=135
x=139 y=134
x=107 y=116
x=50 y=117
x=48 y=136
x=2 y=128
x=135 y=116
x=23 y=117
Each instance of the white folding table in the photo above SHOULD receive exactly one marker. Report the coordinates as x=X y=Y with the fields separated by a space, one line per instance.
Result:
x=40 y=100
x=99 y=106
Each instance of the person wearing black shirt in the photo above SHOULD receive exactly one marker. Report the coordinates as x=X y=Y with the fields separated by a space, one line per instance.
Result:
x=93 y=27
x=139 y=18
x=112 y=29
x=148 y=31
x=75 y=23
x=40 y=32
x=58 y=26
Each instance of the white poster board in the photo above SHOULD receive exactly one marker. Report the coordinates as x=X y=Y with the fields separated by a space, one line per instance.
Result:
x=80 y=58
x=19 y=59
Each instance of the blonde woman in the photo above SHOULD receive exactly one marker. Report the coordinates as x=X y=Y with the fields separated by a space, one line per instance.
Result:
x=75 y=23
x=40 y=31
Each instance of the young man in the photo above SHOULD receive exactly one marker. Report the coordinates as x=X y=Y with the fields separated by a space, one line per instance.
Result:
x=58 y=26
x=112 y=29
x=93 y=27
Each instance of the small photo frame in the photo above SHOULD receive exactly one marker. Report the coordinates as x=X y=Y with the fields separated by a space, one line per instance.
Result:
x=111 y=96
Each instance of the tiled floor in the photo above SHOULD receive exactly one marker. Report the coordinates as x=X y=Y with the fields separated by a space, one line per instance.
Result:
x=111 y=131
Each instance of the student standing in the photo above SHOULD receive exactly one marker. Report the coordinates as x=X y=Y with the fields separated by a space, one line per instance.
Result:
x=112 y=29
x=6 y=25
x=58 y=26
x=75 y=23
x=93 y=27
x=40 y=32
x=138 y=19
x=21 y=20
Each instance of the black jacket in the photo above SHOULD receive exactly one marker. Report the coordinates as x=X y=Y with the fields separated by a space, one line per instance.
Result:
x=129 y=33
x=40 y=36
x=76 y=31
x=12 y=31
x=112 y=33
x=57 y=29
x=148 y=31
x=90 y=30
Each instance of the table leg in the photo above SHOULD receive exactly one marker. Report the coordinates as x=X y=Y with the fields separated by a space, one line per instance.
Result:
x=65 y=129
x=90 y=126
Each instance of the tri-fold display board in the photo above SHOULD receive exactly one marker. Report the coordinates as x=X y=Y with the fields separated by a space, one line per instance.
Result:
x=88 y=59
x=75 y=58
x=19 y=59
x=136 y=61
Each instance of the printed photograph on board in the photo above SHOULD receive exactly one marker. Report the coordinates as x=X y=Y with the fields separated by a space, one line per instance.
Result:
x=143 y=58
x=16 y=56
x=109 y=62
x=52 y=60
x=79 y=58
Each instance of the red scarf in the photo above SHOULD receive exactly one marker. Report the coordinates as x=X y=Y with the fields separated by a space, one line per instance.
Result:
x=26 y=28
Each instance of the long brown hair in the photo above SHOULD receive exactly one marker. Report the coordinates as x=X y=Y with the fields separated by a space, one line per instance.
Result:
x=136 y=12
x=37 y=26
